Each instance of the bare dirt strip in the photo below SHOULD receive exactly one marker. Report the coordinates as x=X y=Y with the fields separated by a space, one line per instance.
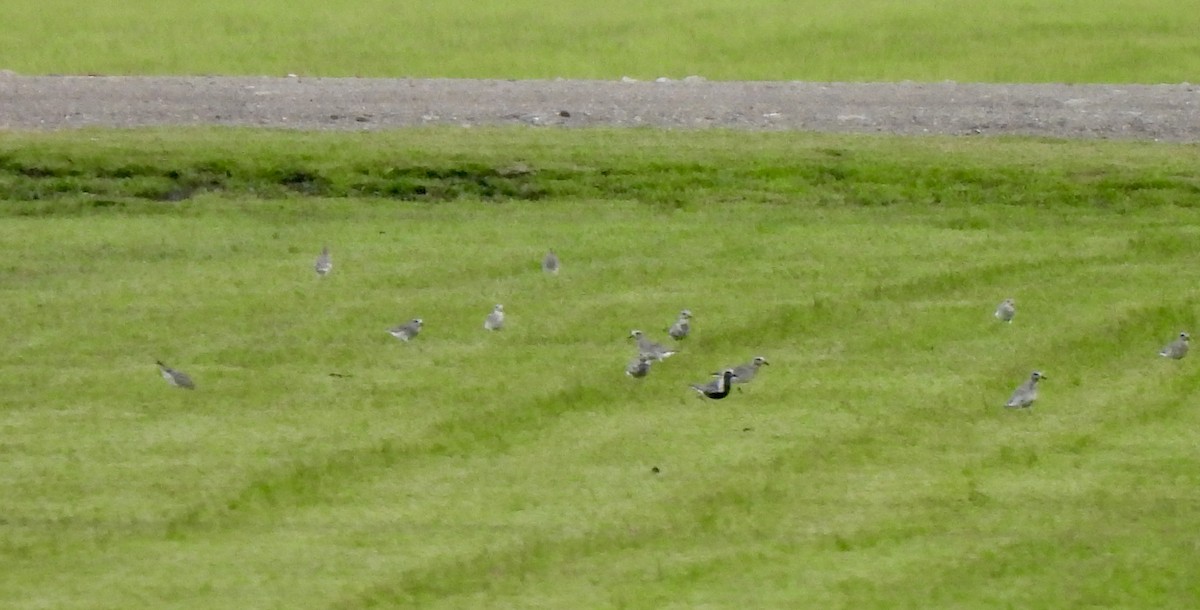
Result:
x=1144 y=112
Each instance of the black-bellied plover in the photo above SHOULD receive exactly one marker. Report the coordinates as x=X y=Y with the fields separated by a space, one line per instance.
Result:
x=647 y=347
x=1026 y=393
x=495 y=320
x=324 y=262
x=717 y=388
x=1176 y=349
x=551 y=264
x=1006 y=311
x=745 y=372
x=407 y=331
x=682 y=326
x=639 y=367
x=176 y=378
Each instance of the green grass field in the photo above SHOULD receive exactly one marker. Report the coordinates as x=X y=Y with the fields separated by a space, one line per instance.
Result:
x=871 y=466
x=1143 y=41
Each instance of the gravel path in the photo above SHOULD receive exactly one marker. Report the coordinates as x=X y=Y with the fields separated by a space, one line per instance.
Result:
x=1148 y=112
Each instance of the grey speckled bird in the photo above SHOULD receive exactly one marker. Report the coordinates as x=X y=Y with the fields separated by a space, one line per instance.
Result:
x=746 y=372
x=407 y=331
x=719 y=387
x=1006 y=311
x=176 y=378
x=1176 y=349
x=324 y=262
x=495 y=320
x=1026 y=393
x=639 y=367
x=649 y=348
x=551 y=264
x=682 y=326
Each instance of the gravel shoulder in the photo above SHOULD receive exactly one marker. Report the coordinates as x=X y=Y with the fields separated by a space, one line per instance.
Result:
x=1142 y=112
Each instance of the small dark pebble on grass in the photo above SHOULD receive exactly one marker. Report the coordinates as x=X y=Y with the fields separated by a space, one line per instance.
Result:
x=655 y=470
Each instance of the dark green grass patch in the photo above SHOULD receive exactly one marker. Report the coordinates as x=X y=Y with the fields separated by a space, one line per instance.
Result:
x=65 y=174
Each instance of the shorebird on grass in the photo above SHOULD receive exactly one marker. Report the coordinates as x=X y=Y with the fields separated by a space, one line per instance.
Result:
x=717 y=388
x=649 y=348
x=639 y=367
x=1006 y=311
x=495 y=320
x=407 y=331
x=1026 y=393
x=551 y=264
x=1176 y=349
x=682 y=326
x=176 y=378
x=745 y=372
x=324 y=262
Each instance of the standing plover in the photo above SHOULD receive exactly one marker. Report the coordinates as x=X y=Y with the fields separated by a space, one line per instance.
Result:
x=407 y=331
x=1176 y=349
x=324 y=262
x=1006 y=311
x=682 y=326
x=647 y=347
x=176 y=378
x=1026 y=393
x=717 y=388
x=495 y=320
x=550 y=264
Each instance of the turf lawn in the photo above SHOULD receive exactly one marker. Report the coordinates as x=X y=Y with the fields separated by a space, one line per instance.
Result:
x=321 y=463
x=1140 y=41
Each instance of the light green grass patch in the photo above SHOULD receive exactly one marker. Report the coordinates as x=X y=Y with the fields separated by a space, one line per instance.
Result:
x=1008 y=41
x=871 y=464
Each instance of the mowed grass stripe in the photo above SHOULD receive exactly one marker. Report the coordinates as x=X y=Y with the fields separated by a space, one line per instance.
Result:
x=870 y=435
x=692 y=517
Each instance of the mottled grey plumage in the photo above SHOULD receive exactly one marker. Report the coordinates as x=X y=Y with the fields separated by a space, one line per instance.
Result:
x=407 y=331
x=649 y=348
x=176 y=378
x=324 y=262
x=1176 y=349
x=717 y=388
x=495 y=320
x=639 y=367
x=746 y=372
x=550 y=264
x=1026 y=393
x=682 y=326
x=1006 y=311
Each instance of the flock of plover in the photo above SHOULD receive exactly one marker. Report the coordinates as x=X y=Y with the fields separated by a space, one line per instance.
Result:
x=650 y=352
x=1026 y=393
